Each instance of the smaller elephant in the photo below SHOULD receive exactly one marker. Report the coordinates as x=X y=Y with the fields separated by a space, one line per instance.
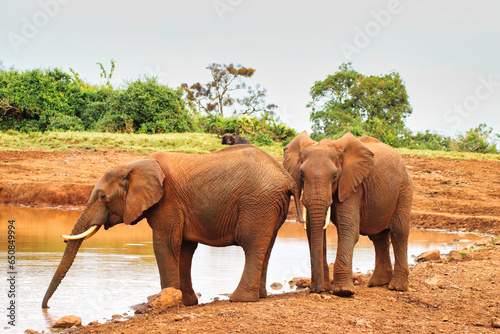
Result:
x=236 y=196
x=233 y=139
x=362 y=185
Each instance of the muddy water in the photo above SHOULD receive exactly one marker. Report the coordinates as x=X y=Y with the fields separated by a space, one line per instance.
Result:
x=116 y=268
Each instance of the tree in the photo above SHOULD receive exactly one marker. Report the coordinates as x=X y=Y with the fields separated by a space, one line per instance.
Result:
x=350 y=101
x=480 y=139
x=216 y=96
x=145 y=106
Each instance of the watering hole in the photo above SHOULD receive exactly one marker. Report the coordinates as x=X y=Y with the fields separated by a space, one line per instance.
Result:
x=116 y=269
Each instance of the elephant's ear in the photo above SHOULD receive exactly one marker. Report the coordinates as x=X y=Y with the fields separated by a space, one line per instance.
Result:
x=291 y=157
x=145 y=188
x=357 y=164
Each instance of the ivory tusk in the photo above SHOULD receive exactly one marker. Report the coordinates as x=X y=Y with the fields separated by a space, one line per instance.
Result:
x=304 y=217
x=327 y=220
x=87 y=234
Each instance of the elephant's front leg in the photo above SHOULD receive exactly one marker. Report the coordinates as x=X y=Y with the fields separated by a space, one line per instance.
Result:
x=348 y=234
x=187 y=252
x=263 y=276
x=167 y=252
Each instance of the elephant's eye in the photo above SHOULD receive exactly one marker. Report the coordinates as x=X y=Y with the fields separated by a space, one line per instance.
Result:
x=102 y=197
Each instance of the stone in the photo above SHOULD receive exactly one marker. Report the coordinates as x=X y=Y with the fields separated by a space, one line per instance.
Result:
x=294 y=280
x=357 y=278
x=68 y=322
x=483 y=242
x=168 y=297
x=429 y=256
x=495 y=322
x=140 y=308
x=455 y=255
x=315 y=296
x=181 y=317
x=116 y=316
x=433 y=281
x=303 y=282
x=276 y=286
x=31 y=331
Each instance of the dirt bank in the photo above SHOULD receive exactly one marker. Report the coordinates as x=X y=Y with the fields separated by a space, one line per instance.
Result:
x=448 y=296
x=448 y=194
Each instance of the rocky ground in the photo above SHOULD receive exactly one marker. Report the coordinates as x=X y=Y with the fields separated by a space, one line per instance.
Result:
x=447 y=295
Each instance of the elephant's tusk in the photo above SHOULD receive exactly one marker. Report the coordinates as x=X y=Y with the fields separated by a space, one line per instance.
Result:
x=327 y=220
x=304 y=217
x=87 y=234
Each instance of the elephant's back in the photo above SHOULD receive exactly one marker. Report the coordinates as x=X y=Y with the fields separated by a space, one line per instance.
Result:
x=244 y=170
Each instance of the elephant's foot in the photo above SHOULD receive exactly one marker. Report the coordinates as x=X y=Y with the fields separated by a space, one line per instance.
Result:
x=343 y=289
x=319 y=288
x=189 y=299
x=399 y=281
x=380 y=278
x=242 y=295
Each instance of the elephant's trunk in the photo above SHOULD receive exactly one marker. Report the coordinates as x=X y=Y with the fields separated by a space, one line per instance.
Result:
x=317 y=216
x=69 y=256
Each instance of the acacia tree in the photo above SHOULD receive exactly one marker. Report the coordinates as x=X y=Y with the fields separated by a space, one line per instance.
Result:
x=350 y=101
x=216 y=96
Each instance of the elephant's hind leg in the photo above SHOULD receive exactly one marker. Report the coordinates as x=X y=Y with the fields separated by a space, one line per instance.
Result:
x=400 y=230
x=382 y=274
x=187 y=251
x=256 y=241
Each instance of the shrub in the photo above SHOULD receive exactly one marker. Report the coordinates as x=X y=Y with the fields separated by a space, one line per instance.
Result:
x=151 y=107
x=65 y=123
x=476 y=140
x=262 y=139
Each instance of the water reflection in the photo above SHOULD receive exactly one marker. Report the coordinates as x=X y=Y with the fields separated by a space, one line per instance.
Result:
x=116 y=268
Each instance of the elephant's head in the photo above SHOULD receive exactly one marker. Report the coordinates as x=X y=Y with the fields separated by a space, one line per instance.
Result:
x=322 y=171
x=121 y=195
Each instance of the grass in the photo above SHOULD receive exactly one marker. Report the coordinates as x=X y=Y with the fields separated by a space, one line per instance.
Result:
x=169 y=142
x=449 y=154
x=139 y=143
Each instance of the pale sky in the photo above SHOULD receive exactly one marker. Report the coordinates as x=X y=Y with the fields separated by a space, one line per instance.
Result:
x=446 y=51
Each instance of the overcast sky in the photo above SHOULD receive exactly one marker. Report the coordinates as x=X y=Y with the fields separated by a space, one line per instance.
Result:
x=447 y=52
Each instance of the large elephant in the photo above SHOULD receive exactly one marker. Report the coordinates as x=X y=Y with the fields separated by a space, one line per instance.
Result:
x=236 y=196
x=363 y=185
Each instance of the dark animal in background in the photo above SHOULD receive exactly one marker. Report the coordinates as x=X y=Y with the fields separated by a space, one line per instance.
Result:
x=230 y=139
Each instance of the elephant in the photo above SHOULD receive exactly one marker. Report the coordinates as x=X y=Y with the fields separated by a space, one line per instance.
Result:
x=363 y=187
x=236 y=196
x=233 y=139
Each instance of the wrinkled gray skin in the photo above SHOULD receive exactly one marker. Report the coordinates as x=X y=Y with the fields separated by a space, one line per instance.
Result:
x=369 y=190
x=236 y=196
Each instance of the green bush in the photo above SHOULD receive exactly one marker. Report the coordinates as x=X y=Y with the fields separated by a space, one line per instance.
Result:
x=65 y=123
x=151 y=107
x=262 y=139
x=476 y=140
